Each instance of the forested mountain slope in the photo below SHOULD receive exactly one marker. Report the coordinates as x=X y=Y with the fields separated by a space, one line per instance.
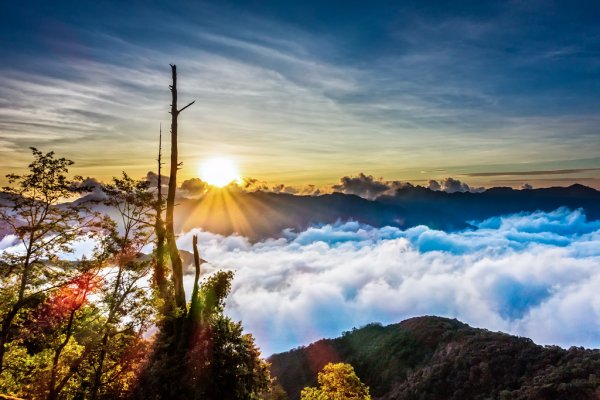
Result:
x=433 y=358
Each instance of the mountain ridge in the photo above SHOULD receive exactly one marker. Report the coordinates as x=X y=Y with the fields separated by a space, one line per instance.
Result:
x=261 y=215
x=434 y=358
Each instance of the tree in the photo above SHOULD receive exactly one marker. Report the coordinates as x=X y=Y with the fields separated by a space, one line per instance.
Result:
x=275 y=392
x=198 y=352
x=160 y=280
x=65 y=305
x=44 y=228
x=217 y=360
x=222 y=362
x=48 y=346
x=70 y=347
x=176 y=264
x=337 y=382
x=125 y=302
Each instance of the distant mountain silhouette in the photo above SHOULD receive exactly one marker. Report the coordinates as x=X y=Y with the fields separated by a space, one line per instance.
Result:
x=433 y=358
x=259 y=215
x=495 y=201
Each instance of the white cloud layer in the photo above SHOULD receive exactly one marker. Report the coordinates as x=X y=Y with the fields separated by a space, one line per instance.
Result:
x=530 y=274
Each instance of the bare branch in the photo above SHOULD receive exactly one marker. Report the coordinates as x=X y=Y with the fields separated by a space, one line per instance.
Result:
x=186 y=107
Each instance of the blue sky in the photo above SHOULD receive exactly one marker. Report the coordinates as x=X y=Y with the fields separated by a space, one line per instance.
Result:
x=306 y=92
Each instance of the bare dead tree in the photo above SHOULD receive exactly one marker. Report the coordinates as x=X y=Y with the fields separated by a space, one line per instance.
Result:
x=176 y=263
x=194 y=313
x=159 y=228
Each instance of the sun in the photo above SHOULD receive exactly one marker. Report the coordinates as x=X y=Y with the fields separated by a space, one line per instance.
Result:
x=219 y=171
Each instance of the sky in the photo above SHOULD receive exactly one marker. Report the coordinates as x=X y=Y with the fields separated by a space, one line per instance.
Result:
x=491 y=93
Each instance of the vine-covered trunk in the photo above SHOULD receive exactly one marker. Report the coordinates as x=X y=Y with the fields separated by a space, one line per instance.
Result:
x=176 y=264
x=164 y=377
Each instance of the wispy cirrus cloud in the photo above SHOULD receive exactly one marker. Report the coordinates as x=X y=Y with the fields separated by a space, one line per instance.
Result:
x=293 y=93
x=547 y=172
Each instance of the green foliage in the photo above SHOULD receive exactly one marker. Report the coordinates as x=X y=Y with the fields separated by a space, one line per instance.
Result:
x=213 y=293
x=224 y=363
x=56 y=343
x=46 y=181
x=380 y=355
x=337 y=382
x=43 y=228
x=430 y=358
x=213 y=359
x=275 y=392
x=32 y=215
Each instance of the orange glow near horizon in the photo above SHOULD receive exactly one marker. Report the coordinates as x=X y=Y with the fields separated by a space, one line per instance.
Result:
x=221 y=207
x=224 y=211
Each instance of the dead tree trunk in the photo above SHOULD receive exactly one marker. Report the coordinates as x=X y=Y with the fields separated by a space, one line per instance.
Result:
x=159 y=227
x=176 y=263
x=194 y=314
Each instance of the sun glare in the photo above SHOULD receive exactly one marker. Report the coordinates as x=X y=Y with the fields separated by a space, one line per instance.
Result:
x=219 y=171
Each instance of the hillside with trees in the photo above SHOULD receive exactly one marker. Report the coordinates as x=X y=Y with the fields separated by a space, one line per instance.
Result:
x=433 y=358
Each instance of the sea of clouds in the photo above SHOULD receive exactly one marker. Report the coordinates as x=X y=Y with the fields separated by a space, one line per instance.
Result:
x=529 y=274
